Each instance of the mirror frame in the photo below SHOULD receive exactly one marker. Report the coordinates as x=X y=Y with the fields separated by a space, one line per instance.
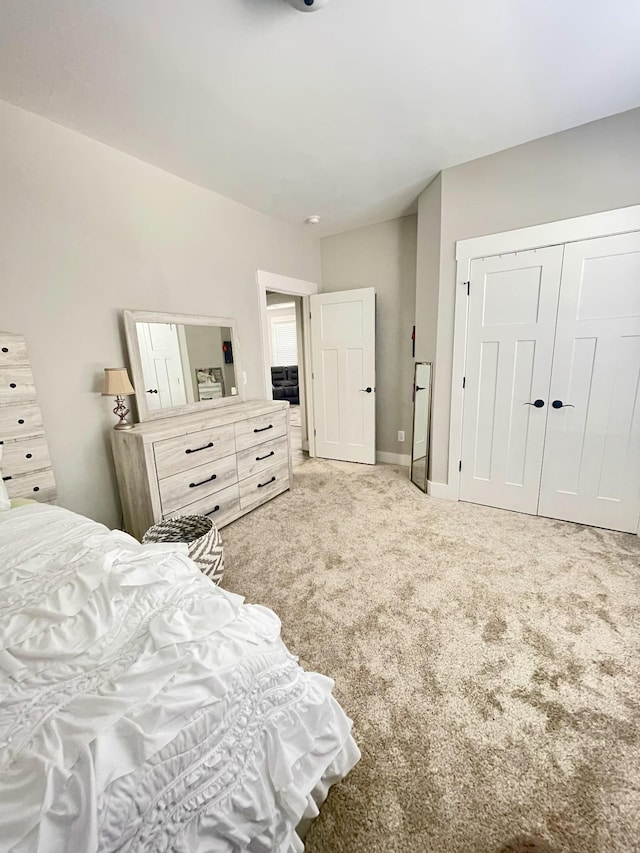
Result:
x=413 y=426
x=137 y=378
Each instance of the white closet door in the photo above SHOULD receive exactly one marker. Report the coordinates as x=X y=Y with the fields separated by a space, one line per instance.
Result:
x=591 y=470
x=513 y=303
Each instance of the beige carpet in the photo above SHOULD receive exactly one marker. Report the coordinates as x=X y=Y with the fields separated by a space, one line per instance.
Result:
x=490 y=662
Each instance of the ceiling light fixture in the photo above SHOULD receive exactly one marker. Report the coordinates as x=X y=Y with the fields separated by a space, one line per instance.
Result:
x=312 y=220
x=307 y=5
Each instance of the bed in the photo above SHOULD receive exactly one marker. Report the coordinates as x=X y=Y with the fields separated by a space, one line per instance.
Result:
x=144 y=708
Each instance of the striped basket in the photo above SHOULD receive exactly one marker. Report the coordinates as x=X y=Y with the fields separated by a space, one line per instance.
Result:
x=202 y=537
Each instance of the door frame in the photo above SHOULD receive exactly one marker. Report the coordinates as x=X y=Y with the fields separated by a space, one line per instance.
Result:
x=605 y=224
x=294 y=287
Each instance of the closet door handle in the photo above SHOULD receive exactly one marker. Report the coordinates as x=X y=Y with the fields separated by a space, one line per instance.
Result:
x=198 y=449
x=262 y=485
x=537 y=403
x=421 y=388
x=260 y=458
x=264 y=429
x=367 y=390
x=558 y=404
x=203 y=482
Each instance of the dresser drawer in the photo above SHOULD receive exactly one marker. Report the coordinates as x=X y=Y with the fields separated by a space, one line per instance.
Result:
x=40 y=486
x=13 y=350
x=22 y=457
x=220 y=507
x=259 y=488
x=266 y=455
x=16 y=385
x=20 y=420
x=258 y=430
x=185 y=488
x=174 y=455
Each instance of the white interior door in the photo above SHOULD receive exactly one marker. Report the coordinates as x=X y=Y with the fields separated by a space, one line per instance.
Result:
x=344 y=374
x=511 y=322
x=161 y=365
x=591 y=470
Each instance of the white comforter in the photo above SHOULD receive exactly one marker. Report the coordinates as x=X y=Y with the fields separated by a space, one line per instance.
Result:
x=142 y=708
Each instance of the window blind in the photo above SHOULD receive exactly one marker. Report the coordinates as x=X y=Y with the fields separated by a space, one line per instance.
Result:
x=284 y=342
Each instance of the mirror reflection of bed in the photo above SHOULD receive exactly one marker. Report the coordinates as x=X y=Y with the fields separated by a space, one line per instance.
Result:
x=421 y=419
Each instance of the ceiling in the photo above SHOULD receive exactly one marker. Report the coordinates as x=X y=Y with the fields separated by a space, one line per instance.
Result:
x=347 y=112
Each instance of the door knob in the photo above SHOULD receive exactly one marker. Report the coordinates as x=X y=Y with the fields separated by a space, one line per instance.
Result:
x=367 y=390
x=537 y=403
x=420 y=388
x=152 y=391
x=558 y=404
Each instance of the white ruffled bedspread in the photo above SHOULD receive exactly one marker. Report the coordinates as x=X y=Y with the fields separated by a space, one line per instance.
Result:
x=143 y=708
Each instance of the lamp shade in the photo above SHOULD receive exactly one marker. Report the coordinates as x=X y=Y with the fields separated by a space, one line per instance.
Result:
x=116 y=382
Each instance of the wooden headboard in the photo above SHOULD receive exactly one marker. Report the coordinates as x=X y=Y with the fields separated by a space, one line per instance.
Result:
x=26 y=466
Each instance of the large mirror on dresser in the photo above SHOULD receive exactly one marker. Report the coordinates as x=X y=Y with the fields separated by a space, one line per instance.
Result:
x=182 y=363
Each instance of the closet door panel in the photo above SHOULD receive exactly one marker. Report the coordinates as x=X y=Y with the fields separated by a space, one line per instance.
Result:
x=513 y=302
x=591 y=471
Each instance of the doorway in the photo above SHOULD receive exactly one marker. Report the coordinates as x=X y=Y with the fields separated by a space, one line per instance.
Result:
x=336 y=336
x=286 y=365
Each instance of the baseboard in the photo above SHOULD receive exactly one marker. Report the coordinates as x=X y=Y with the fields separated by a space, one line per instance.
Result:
x=393 y=458
x=441 y=490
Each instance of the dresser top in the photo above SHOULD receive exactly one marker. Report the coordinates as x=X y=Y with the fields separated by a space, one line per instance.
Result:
x=171 y=427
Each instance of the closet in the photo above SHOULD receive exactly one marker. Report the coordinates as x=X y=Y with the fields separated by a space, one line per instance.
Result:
x=551 y=411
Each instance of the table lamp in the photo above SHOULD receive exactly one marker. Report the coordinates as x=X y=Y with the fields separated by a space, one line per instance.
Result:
x=117 y=384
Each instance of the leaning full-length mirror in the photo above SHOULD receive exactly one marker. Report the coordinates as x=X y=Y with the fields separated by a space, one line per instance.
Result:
x=421 y=424
x=182 y=363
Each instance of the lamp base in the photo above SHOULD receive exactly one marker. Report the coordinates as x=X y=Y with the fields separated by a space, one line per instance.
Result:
x=121 y=411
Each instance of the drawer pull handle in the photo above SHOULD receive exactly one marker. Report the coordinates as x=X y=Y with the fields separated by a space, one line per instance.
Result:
x=264 y=429
x=8 y=477
x=260 y=458
x=28 y=455
x=12 y=385
x=262 y=485
x=5 y=349
x=20 y=421
x=197 y=449
x=36 y=488
x=215 y=509
x=203 y=482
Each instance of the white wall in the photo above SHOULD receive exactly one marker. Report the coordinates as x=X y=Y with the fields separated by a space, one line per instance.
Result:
x=86 y=231
x=588 y=169
x=382 y=256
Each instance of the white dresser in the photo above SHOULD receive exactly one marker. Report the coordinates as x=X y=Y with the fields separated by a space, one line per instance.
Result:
x=221 y=463
x=26 y=466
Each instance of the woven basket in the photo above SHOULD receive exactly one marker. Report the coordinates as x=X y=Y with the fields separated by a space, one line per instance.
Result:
x=202 y=537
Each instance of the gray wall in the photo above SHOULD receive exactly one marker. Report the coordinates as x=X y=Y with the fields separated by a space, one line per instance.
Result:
x=588 y=169
x=428 y=269
x=382 y=256
x=86 y=231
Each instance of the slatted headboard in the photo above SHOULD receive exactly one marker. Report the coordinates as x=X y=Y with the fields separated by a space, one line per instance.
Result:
x=26 y=466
